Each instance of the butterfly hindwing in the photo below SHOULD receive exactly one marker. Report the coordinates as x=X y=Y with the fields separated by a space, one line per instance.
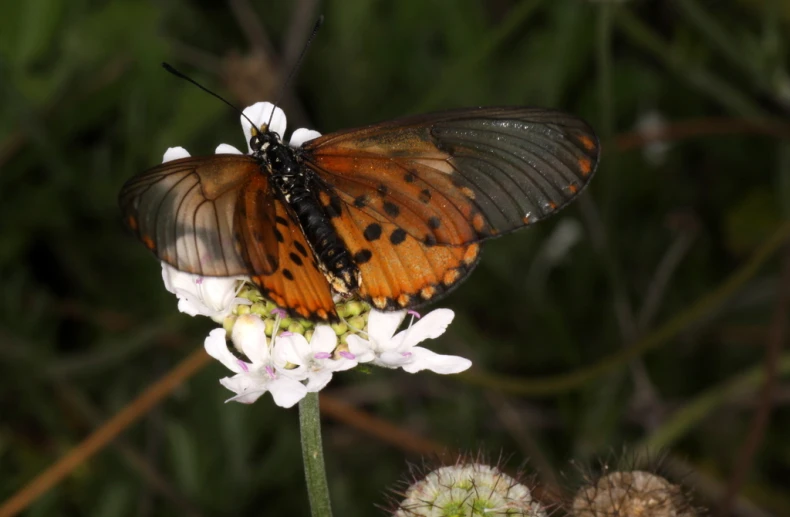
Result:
x=460 y=176
x=397 y=270
x=183 y=211
x=271 y=237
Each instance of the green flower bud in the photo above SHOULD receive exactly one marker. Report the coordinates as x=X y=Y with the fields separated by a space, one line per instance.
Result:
x=356 y=324
x=340 y=328
x=296 y=328
x=242 y=309
x=308 y=335
x=354 y=308
x=259 y=308
x=269 y=329
x=228 y=324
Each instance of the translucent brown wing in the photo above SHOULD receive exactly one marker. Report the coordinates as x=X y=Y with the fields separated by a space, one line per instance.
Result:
x=183 y=211
x=461 y=176
x=397 y=270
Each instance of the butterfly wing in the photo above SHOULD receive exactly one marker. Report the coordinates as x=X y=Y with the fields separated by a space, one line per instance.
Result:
x=218 y=216
x=461 y=176
x=183 y=211
x=397 y=270
x=275 y=247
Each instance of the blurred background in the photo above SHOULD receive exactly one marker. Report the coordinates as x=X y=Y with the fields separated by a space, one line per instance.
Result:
x=648 y=317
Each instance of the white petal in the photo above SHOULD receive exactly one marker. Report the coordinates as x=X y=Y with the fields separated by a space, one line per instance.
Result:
x=382 y=326
x=392 y=359
x=174 y=153
x=430 y=326
x=259 y=113
x=226 y=149
x=318 y=381
x=291 y=349
x=339 y=365
x=302 y=135
x=360 y=348
x=217 y=347
x=324 y=340
x=249 y=337
x=424 y=359
x=217 y=293
x=247 y=387
x=287 y=392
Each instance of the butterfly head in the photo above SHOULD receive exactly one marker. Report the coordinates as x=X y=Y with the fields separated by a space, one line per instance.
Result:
x=260 y=141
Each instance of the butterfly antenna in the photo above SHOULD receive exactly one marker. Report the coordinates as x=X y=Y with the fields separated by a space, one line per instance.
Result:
x=318 y=23
x=181 y=75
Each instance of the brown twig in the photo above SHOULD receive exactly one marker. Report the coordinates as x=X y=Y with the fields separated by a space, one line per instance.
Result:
x=777 y=336
x=383 y=430
x=702 y=127
x=105 y=434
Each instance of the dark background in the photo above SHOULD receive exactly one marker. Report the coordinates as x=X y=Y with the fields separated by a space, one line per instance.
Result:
x=86 y=325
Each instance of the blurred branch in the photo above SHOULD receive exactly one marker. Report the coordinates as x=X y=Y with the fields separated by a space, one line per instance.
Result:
x=644 y=37
x=702 y=307
x=773 y=350
x=712 y=126
x=379 y=428
x=152 y=477
x=105 y=434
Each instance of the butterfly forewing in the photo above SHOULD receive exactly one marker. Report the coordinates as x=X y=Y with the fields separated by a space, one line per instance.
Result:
x=183 y=211
x=460 y=176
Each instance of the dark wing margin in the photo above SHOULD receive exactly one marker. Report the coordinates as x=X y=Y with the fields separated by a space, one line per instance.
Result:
x=183 y=211
x=460 y=176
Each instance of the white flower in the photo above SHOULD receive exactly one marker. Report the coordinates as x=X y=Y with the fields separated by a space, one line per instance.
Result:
x=313 y=361
x=214 y=297
x=264 y=372
x=390 y=350
x=260 y=113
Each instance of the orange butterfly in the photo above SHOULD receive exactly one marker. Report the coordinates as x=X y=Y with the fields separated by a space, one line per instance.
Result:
x=393 y=212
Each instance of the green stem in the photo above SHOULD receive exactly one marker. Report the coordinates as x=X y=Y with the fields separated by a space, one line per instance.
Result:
x=313 y=456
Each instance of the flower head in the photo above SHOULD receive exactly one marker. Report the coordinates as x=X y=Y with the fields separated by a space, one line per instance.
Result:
x=384 y=347
x=468 y=489
x=262 y=372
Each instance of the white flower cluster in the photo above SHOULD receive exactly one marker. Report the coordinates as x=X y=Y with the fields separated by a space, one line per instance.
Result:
x=286 y=364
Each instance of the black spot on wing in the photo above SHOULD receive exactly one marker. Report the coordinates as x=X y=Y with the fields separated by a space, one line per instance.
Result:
x=372 y=232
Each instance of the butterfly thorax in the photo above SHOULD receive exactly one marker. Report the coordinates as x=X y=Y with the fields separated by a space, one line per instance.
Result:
x=299 y=188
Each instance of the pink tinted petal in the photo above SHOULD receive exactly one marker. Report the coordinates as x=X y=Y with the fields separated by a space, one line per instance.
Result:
x=347 y=355
x=279 y=312
x=243 y=365
x=424 y=359
x=322 y=355
x=286 y=333
x=414 y=313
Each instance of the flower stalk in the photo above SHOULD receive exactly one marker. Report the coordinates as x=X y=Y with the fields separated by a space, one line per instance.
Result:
x=313 y=456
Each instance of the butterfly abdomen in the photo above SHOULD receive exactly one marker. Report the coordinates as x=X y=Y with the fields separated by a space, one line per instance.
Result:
x=332 y=256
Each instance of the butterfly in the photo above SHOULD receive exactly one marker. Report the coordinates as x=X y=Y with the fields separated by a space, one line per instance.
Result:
x=393 y=213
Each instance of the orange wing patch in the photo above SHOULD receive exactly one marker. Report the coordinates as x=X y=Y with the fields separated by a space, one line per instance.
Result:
x=297 y=284
x=397 y=270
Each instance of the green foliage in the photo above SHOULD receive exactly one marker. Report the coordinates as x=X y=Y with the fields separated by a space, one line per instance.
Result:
x=85 y=105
